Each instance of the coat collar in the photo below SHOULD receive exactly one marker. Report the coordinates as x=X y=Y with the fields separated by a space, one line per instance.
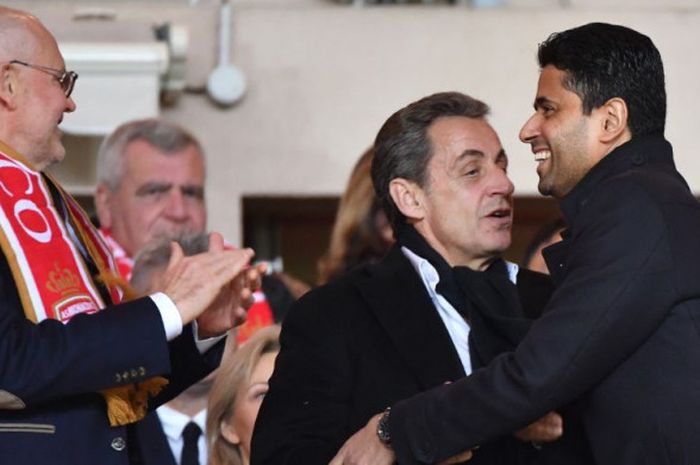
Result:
x=395 y=294
x=635 y=153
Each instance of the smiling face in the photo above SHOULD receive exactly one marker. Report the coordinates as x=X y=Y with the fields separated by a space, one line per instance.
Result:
x=39 y=100
x=465 y=208
x=160 y=195
x=563 y=139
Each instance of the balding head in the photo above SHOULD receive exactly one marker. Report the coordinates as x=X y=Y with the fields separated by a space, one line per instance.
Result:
x=19 y=34
x=32 y=100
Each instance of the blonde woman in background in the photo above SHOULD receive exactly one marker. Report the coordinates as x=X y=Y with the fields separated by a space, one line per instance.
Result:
x=361 y=232
x=238 y=391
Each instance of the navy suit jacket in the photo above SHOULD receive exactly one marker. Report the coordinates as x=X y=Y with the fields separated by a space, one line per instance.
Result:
x=148 y=444
x=621 y=333
x=51 y=411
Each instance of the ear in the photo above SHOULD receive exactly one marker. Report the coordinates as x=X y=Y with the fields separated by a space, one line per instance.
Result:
x=229 y=433
x=614 y=121
x=408 y=197
x=8 y=86
x=103 y=199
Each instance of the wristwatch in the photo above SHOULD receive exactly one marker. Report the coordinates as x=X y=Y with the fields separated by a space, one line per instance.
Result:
x=383 y=427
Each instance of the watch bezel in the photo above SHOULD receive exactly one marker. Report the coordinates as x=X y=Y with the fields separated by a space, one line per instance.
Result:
x=383 y=427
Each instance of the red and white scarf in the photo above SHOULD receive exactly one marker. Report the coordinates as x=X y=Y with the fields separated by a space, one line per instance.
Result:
x=52 y=277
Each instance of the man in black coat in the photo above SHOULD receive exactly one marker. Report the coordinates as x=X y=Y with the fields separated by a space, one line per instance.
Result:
x=621 y=332
x=441 y=304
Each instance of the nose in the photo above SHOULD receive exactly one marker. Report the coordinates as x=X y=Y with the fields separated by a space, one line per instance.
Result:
x=530 y=129
x=501 y=183
x=176 y=209
x=70 y=105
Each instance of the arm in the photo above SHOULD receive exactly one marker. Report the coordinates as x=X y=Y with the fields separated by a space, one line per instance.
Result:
x=618 y=288
x=119 y=345
x=49 y=360
x=620 y=255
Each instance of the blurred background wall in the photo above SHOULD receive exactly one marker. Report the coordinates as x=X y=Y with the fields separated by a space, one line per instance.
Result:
x=322 y=76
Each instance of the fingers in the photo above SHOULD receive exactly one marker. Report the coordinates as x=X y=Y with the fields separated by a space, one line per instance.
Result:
x=216 y=242
x=262 y=267
x=176 y=254
x=547 y=429
x=246 y=298
x=194 y=282
x=338 y=459
x=241 y=314
x=459 y=458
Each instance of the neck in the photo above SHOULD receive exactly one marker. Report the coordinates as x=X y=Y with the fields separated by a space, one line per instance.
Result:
x=625 y=137
x=417 y=235
x=189 y=403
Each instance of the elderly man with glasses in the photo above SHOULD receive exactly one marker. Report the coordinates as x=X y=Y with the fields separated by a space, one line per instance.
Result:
x=76 y=365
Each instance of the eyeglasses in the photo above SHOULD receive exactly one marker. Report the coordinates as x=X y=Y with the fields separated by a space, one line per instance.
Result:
x=65 y=78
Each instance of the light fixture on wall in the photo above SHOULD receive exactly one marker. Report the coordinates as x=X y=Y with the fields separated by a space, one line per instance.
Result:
x=226 y=84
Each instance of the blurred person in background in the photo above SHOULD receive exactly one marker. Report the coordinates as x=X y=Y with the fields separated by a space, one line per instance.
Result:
x=174 y=433
x=151 y=186
x=151 y=178
x=238 y=391
x=361 y=232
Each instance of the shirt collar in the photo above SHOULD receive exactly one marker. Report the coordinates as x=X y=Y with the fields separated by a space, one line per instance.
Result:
x=174 y=422
x=430 y=276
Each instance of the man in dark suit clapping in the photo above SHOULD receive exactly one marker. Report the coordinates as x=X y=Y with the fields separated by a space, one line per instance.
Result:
x=78 y=364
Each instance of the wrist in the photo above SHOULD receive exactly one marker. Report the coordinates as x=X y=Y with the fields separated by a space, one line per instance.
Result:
x=383 y=430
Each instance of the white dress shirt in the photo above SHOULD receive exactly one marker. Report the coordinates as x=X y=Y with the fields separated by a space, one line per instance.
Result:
x=456 y=325
x=172 y=322
x=174 y=422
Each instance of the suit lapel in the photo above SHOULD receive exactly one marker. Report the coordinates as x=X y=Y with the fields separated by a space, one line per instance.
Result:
x=534 y=291
x=396 y=295
x=555 y=257
x=153 y=444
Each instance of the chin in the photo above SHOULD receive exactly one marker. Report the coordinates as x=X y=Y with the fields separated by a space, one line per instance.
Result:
x=57 y=155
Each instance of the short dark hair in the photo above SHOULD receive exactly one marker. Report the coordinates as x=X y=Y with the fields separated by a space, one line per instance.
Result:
x=403 y=149
x=603 y=61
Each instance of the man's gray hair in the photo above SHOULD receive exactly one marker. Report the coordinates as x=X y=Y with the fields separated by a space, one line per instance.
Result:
x=164 y=135
x=155 y=256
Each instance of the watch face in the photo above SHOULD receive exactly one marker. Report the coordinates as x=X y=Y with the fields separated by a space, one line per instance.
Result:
x=383 y=428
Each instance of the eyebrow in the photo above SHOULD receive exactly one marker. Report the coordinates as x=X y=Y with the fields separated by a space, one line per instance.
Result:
x=148 y=186
x=539 y=101
x=473 y=153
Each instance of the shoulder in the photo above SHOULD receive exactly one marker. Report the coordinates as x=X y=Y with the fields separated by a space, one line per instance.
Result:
x=330 y=303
